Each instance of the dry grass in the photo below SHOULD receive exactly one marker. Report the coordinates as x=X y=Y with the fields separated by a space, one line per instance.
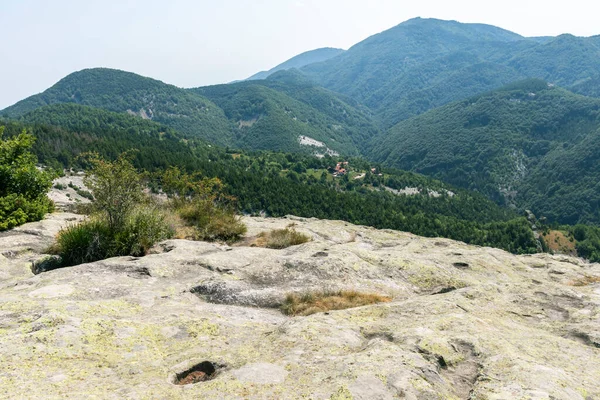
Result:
x=281 y=238
x=210 y=222
x=315 y=302
x=559 y=243
x=585 y=281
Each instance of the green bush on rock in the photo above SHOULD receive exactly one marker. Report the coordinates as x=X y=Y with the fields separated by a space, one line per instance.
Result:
x=122 y=222
x=201 y=203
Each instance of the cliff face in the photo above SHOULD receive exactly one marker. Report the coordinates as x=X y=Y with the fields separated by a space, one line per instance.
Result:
x=465 y=322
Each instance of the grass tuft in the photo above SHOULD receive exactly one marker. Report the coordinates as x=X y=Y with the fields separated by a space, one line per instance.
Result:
x=585 y=281
x=314 y=302
x=212 y=223
x=282 y=238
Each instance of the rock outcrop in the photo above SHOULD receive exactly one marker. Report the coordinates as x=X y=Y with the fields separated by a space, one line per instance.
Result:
x=465 y=322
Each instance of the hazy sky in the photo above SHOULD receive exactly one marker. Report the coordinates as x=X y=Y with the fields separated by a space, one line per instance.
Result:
x=199 y=42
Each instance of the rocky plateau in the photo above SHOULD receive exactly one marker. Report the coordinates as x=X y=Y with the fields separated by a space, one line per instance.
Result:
x=465 y=322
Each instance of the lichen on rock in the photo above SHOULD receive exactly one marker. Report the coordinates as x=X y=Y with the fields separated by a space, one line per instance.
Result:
x=464 y=321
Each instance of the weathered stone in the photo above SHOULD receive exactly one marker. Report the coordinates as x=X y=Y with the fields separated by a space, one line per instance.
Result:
x=369 y=388
x=261 y=373
x=52 y=291
x=500 y=326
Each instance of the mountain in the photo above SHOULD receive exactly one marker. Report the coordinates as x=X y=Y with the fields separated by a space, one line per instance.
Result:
x=368 y=69
x=565 y=60
x=530 y=144
x=119 y=91
x=287 y=113
x=279 y=184
x=290 y=114
x=267 y=119
x=299 y=61
x=425 y=63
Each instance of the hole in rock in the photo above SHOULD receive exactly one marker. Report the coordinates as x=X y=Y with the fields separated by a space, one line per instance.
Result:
x=205 y=371
x=442 y=290
x=461 y=265
x=441 y=362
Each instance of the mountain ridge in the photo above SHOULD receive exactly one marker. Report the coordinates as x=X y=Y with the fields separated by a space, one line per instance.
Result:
x=122 y=91
x=299 y=61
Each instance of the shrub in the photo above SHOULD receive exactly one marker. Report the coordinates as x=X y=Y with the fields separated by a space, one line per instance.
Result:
x=23 y=187
x=201 y=204
x=94 y=240
x=211 y=222
x=85 y=242
x=85 y=194
x=116 y=187
x=224 y=225
x=120 y=223
x=144 y=227
x=282 y=238
x=314 y=302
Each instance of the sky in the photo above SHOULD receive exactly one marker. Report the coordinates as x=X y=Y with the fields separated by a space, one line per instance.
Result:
x=192 y=43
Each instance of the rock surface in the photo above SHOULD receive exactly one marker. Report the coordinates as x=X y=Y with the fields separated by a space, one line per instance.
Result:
x=66 y=191
x=465 y=323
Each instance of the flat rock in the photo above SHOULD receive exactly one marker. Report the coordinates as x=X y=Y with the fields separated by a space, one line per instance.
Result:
x=52 y=291
x=369 y=388
x=261 y=373
x=465 y=321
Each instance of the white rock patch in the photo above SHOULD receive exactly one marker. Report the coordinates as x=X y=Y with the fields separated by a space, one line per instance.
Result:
x=52 y=291
x=261 y=373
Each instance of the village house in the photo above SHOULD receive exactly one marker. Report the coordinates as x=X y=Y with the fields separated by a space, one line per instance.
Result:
x=341 y=169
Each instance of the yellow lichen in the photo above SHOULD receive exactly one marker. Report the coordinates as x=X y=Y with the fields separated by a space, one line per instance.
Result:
x=113 y=308
x=201 y=328
x=342 y=394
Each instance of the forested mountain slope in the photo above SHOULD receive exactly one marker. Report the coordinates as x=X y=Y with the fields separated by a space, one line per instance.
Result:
x=278 y=184
x=120 y=91
x=530 y=144
x=273 y=114
x=425 y=63
x=287 y=113
x=64 y=131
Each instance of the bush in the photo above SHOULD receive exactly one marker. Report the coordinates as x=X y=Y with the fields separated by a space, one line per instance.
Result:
x=120 y=224
x=314 y=302
x=200 y=202
x=116 y=187
x=23 y=187
x=282 y=238
x=211 y=222
x=85 y=194
x=144 y=227
x=85 y=242
x=94 y=240
x=222 y=225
